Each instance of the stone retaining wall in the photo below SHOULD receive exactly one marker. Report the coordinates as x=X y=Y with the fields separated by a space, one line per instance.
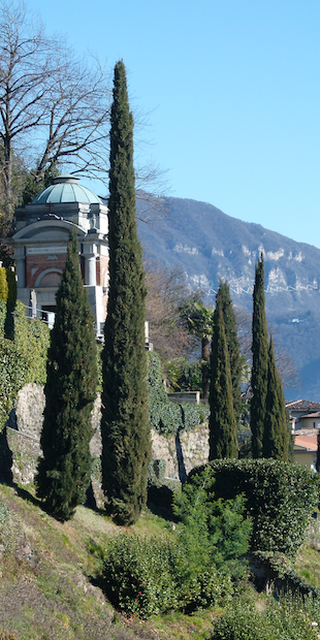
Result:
x=181 y=453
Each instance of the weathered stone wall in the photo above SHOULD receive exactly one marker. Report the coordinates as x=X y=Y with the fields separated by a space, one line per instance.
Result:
x=181 y=453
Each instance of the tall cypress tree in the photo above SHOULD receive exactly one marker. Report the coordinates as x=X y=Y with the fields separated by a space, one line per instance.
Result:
x=125 y=430
x=233 y=346
x=259 y=376
x=64 y=468
x=276 y=432
x=222 y=423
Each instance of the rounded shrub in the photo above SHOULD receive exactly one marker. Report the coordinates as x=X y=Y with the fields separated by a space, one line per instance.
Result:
x=138 y=575
x=280 y=497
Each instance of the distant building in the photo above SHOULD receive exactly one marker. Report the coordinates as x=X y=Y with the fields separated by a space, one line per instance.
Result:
x=40 y=243
x=305 y=450
x=304 y=414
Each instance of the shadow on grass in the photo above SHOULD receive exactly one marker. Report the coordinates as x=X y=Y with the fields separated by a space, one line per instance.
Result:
x=160 y=499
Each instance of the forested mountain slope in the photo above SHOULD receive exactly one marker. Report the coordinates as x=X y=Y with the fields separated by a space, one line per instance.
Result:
x=208 y=244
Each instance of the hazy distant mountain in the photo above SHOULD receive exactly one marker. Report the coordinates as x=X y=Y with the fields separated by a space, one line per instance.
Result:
x=208 y=245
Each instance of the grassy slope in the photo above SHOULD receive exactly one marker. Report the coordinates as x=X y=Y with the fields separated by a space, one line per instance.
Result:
x=49 y=582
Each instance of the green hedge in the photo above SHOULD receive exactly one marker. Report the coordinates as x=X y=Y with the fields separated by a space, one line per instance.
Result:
x=280 y=497
x=168 y=417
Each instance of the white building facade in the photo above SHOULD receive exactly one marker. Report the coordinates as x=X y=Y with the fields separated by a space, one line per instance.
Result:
x=40 y=243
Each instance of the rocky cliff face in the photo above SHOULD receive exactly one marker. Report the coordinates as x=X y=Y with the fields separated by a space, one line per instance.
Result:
x=209 y=245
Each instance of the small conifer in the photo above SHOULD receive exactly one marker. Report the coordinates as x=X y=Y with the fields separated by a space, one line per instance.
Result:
x=125 y=429
x=222 y=423
x=64 y=469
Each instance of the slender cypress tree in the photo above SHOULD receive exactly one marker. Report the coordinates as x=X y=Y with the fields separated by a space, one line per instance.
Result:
x=222 y=423
x=64 y=468
x=259 y=376
x=276 y=433
x=233 y=346
x=125 y=429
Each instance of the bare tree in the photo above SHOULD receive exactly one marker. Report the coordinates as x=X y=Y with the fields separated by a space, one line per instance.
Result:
x=49 y=97
x=166 y=290
x=285 y=364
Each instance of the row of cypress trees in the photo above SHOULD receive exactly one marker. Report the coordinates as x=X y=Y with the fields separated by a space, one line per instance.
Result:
x=64 y=469
x=269 y=423
x=63 y=473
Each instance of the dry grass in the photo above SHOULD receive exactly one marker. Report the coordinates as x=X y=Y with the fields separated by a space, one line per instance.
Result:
x=49 y=587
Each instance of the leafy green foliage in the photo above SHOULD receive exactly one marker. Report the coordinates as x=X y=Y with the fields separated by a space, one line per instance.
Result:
x=259 y=376
x=14 y=372
x=148 y=576
x=189 y=375
x=222 y=423
x=280 y=498
x=138 y=575
x=288 y=619
x=21 y=360
x=64 y=470
x=32 y=337
x=213 y=532
x=125 y=429
x=167 y=417
x=198 y=320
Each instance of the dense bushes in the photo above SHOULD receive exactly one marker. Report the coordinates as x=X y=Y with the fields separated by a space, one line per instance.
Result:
x=284 y=620
x=196 y=567
x=148 y=576
x=167 y=417
x=280 y=498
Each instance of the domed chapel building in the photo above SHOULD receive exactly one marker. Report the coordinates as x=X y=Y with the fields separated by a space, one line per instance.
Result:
x=40 y=245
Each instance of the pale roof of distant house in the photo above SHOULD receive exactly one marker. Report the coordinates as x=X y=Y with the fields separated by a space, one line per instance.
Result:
x=311 y=415
x=308 y=443
x=303 y=405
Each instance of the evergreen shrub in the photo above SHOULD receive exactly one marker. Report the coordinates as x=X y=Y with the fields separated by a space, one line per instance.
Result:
x=288 y=619
x=280 y=498
x=138 y=575
x=168 y=417
x=148 y=576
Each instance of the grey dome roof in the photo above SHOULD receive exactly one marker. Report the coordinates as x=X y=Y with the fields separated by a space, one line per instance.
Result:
x=66 y=189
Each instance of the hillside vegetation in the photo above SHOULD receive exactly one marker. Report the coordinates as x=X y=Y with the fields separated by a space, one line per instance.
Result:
x=52 y=584
x=50 y=589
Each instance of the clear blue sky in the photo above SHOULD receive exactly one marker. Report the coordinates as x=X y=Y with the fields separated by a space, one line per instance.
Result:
x=233 y=91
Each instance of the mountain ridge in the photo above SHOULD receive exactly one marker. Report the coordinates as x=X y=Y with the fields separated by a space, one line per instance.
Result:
x=210 y=245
